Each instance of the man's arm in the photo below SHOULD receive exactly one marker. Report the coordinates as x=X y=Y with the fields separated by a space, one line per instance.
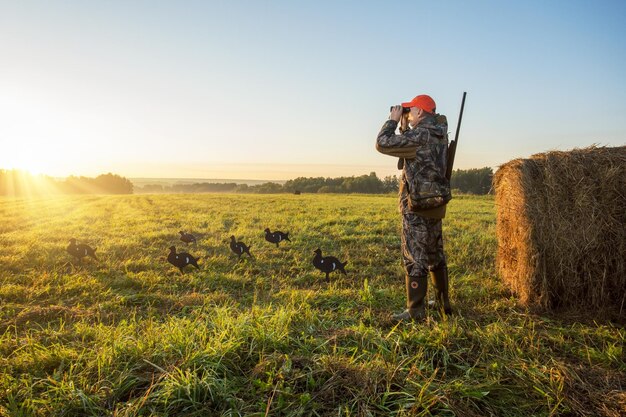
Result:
x=401 y=146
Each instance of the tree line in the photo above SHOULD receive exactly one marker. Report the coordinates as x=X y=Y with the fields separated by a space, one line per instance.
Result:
x=14 y=182
x=366 y=184
x=21 y=183
x=472 y=181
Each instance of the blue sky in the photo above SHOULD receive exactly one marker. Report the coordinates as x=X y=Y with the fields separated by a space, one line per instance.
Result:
x=278 y=89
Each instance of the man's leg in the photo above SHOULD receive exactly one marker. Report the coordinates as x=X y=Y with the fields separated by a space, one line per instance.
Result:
x=414 y=256
x=437 y=265
x=439 y=278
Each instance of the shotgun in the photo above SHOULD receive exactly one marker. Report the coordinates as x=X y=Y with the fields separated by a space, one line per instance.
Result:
x=452 y=146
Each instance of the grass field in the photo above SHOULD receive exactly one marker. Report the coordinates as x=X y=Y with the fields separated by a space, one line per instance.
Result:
x=130 y=336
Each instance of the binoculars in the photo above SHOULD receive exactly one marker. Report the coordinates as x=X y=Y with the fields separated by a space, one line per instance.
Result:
x=404 y=109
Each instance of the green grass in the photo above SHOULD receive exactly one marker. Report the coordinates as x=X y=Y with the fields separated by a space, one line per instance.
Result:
x=130 y=336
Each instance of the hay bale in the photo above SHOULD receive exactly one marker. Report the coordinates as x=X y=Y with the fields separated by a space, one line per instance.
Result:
x=561 y=228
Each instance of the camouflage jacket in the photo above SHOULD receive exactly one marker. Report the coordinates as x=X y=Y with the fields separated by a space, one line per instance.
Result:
x=424 y=148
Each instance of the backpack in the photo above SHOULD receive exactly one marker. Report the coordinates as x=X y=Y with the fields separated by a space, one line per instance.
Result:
x=431 y=189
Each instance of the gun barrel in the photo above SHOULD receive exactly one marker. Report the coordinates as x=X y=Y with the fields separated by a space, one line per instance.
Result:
x=453 y=144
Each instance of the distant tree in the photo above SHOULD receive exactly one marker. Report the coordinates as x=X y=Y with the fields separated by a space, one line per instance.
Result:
x=204 y=187
x=391 y=184
x=370 y=184
x=326 y=189
x=77 y=185
x=266 y=188
x=17 y=182
x=113 y=184
x=473 y=181
x=150 y=188
x=305 y=185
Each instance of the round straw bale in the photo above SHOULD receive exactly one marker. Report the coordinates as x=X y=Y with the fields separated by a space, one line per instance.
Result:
x=561 y=228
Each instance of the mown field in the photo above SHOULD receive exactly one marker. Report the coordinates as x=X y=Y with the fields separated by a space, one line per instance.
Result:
x=130 y=336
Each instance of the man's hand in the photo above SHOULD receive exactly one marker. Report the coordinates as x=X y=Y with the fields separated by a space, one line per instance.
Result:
x=404 y=123
x=396 y=113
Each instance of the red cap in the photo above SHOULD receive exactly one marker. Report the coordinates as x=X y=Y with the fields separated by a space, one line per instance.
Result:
x=423 y=102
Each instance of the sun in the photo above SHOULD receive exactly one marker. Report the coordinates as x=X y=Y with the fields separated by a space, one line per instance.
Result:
x=34 y=165
x=32 y=169
x=25 y=177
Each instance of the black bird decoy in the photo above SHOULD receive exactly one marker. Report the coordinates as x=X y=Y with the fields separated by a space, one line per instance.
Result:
x=239 y=247
x=328 y=264
x=187 y=237
x=276 y=237
x=81 y=250
x=181 y=260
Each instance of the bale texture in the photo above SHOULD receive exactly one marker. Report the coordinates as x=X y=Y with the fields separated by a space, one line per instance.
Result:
x=561 y=228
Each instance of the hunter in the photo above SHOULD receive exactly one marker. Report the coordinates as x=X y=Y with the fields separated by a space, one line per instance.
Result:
x=422 y=146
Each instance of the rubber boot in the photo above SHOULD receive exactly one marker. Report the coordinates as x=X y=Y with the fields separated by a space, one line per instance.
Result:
x=416 y=288
x=439 y=278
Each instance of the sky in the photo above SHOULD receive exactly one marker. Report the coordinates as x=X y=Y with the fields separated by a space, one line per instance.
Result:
x=279 y=89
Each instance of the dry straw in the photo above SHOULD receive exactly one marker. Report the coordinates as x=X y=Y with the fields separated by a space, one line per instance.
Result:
x=561 y=227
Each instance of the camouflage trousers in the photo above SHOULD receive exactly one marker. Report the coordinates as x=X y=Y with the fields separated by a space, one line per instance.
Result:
x=422 y=244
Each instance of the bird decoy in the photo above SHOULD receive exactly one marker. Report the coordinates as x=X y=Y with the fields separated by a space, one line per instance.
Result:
x=81 y=250
x=239 y=247
x=276 y=236
x=328 y=264
x=181 y=259
x=187 y=237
